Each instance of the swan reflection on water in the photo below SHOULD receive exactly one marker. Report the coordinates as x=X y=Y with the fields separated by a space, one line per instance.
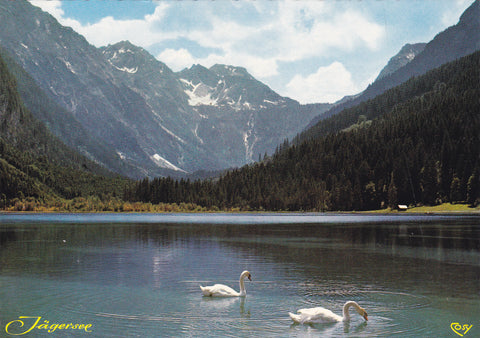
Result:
x=322 y=315
x=331 y=329
x=220 y=304
x=244 y=313
x=358 y=328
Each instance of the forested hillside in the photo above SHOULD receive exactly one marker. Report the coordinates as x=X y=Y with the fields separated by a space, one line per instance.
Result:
x=60 y=121
x=35 y=165
x=418 y=143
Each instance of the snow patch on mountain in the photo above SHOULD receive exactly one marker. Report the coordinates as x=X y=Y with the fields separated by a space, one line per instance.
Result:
x=127 y=70
x=195 y=132
x=233 y=70
x=124 y=51
x=69 y=66
x=245 y=104
x=163 y=163
x=410 y=56
x=172 y=134
x=270 y=102
x=123 y=69
x=199 y=94
x=249 y=138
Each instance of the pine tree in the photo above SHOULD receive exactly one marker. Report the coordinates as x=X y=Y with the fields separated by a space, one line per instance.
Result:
x=473 y=188
x=392 y=193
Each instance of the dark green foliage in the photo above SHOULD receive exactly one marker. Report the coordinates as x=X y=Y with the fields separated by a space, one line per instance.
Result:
x=421 y=146
x=25 y=175
x=35 y=164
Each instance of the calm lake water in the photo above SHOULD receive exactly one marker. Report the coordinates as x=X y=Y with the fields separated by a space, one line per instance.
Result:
x=138 y=275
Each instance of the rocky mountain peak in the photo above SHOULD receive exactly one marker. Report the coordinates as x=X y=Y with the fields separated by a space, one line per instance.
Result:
x=126 y=57
x=199 y=74
x=471 y=16
x=404 y=56
x=227 y=70
x=228 y=86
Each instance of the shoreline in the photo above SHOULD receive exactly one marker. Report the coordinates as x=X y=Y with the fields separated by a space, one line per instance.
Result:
x=442 y=209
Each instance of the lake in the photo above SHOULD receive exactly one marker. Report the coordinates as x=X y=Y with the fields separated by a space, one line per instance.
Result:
x=138 y=275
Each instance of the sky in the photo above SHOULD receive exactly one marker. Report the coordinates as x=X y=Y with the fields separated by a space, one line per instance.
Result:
x=313 y=51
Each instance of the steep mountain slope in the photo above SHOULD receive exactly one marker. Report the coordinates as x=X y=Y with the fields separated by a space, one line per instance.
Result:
x=454 y=42
x=164 y=131
x=21 y=130
x=34 y=163
x=76 y=76
x=404 y=56
x=60 y=121
x=139 y=110
x=224 y=85
x=233 y=105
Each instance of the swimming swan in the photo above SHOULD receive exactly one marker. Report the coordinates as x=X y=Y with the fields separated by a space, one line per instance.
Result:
x=220 y=290
x=322 y=315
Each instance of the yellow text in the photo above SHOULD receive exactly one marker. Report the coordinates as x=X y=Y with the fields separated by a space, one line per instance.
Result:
x=26 y=324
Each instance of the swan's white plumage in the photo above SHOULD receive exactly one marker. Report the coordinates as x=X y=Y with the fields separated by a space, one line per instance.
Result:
x=322 y=315
x=315 y=315
x=220 y=290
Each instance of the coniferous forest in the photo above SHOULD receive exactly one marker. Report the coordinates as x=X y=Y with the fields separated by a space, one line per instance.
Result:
x=418 y=143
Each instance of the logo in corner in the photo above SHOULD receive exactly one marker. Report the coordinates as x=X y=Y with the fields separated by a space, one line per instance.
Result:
x=459 y=329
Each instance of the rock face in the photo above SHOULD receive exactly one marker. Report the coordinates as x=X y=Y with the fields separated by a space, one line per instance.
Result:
x=235 y=106
x=406 y=54
x=151 y=120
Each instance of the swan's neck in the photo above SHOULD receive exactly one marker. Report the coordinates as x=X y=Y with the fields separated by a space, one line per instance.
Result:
x=243 y=292
x=346 y=307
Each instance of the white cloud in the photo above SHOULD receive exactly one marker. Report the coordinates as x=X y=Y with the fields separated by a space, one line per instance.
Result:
x=101 y=33
x=177 y=59
x=327 y=84
x=306 y=29
x=266 y=37
x=289 y=30
x=451 y=16
x=286 y=31
x=52 y=7
x=110 y=30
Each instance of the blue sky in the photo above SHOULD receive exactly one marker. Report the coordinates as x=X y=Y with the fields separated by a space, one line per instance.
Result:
x=310 y=51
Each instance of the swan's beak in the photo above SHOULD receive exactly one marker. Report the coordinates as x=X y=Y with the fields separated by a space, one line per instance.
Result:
x=250 y=277
x=365 y=316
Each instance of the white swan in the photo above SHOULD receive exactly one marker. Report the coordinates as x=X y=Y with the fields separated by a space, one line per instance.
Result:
x=322 y=315
x=220 y=290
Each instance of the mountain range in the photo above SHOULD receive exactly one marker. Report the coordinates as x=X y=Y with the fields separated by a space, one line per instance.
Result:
x=151 y=120
x=128 y=112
